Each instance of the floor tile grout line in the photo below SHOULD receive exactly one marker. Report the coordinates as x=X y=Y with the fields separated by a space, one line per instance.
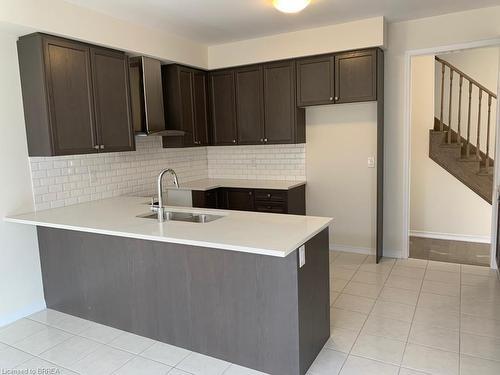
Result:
x=363 y=325
x=414 y=313
x=357 y=336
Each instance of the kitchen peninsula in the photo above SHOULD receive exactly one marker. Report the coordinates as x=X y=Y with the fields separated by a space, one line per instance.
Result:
x=247 y=287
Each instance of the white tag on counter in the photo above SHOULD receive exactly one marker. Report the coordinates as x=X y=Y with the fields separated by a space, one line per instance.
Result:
x=302 y=255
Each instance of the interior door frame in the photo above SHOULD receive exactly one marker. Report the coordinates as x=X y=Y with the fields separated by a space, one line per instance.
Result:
x=407 y=141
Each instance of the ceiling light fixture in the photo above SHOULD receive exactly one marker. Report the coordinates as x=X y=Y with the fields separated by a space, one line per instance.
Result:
x=290 y=6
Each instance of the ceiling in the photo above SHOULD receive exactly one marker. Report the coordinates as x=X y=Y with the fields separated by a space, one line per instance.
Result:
x=219 y=21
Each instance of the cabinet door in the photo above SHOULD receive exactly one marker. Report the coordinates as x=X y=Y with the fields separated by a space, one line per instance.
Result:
x=200 y=108
x=186 y=102
x=356 y=76
x=69 y=85
x=239 y=199
x=249 y=105
x=315 y=81
x=222 y=107
x=279 y=102
x=112 y=100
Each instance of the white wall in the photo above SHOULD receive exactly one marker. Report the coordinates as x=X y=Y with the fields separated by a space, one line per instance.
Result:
x=21 y=285
x=61 y=18
x=341 y=37
x=440 y=204
x=482 y=65
x=339 y=184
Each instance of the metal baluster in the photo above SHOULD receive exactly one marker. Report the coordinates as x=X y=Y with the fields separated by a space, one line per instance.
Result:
x=449 y=106
x=487 y=162
x=479 y=124
x=467 y=147
x=441 y=127
x=459 y=137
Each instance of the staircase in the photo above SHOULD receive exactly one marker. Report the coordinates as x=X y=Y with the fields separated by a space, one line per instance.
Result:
x=464 y=149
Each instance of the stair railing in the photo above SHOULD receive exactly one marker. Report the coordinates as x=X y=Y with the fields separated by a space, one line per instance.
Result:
x=481 y=89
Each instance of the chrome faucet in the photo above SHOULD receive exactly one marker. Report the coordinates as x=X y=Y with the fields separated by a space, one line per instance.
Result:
x=161 y=209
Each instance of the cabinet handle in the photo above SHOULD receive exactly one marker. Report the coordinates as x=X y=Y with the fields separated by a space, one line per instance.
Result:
x=249 y=193
x=234 y=140
x=262 y=139
x=102 y=147
x=269 y=195
x=265 y=139
x=336 y=98
x=96 y=147
x=331 y=98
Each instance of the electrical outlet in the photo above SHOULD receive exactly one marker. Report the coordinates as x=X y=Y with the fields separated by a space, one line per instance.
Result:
x=302 y=255
x=371 y=162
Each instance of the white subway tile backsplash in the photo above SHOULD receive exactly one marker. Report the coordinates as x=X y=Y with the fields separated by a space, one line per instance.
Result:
x=66 y=180
x=270 y=162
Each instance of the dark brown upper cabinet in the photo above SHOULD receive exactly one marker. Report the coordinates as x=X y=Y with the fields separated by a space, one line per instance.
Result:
x=283 y=121
x=356 y=76
x=249 y=105
x=345 y=77
x=315 y=80
x=223 y=107
x=111 y=100
x=75 y=96
x=185 y=95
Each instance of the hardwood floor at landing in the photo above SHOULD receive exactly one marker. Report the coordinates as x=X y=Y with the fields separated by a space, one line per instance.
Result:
x=450 y=251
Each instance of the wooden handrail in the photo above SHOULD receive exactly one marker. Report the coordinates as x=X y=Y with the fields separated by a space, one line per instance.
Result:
x=467 y=77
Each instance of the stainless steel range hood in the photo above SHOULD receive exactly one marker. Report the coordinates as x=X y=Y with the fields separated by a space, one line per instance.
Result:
x=146 y=94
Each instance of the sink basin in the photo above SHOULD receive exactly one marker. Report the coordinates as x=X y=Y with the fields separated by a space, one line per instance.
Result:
x=192 y=217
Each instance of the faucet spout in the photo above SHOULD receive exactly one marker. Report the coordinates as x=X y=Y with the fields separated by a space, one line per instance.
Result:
x=161 y=209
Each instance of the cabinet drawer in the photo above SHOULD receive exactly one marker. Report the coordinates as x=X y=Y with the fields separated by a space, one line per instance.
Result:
x=277 y=208
x=271 y=195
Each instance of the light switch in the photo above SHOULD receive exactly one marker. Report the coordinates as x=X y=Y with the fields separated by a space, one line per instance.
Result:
x=302 y=255
x=371 y=162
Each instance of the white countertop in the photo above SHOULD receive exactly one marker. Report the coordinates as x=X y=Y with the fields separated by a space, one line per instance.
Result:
x=213 y=183
x=250 y=232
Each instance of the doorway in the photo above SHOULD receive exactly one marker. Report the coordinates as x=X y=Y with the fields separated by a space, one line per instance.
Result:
x=451 y=153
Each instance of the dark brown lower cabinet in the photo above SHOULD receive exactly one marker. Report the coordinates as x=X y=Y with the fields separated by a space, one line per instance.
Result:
x=237 y=199
x=290 y=201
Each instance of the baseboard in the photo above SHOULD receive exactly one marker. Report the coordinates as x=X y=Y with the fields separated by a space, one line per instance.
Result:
x=352 y=249
x=21 y=313
x=451 y=237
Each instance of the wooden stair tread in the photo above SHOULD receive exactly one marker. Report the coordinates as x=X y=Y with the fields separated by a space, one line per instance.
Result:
x=471 y=171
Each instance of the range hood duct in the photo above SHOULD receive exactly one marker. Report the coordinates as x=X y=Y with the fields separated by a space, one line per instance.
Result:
x=148 y=115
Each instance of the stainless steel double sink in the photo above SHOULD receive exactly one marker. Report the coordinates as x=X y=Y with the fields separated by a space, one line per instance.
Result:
x=191 y=217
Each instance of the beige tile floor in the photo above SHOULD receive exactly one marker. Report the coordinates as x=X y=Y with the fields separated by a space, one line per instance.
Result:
x=411 y=317
x=405 y=317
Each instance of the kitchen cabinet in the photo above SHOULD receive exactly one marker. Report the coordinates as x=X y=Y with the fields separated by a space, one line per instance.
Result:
x=345 y=77
x=206 y=199
x=185 y=95
x=223 y=107
x=238 y=199
x=284 y=122
x=249 y=105
x=112 y=100
x=75 y=96
x=290 y=201
x=356 y=76
x=315 y=80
